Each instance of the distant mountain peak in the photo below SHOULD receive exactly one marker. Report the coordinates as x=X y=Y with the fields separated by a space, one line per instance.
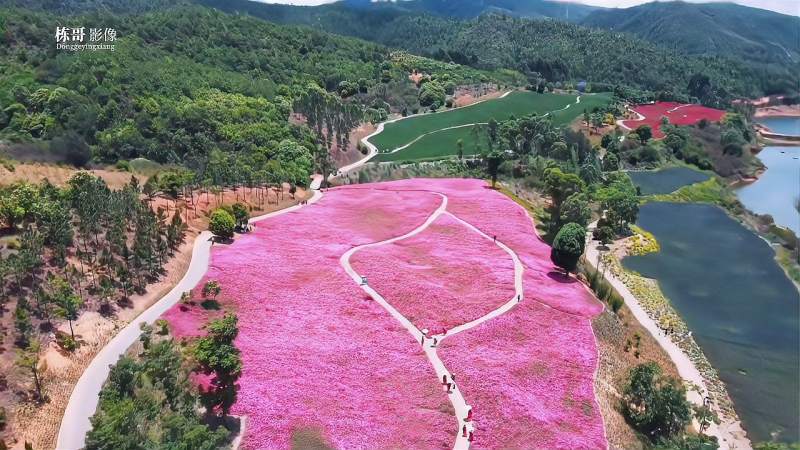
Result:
x=750 y=34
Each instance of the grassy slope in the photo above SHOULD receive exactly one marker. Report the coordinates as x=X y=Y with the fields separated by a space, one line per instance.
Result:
x=443 y=143
x=404 y=131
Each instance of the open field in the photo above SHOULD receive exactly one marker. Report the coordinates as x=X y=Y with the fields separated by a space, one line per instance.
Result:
x=59 y=175
x=677 y=113
x=324 y=360
x=518 y=103
x=430 y=136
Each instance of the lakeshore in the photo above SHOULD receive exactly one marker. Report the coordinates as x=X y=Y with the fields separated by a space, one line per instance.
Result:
x=742 y=314
x=652 y=311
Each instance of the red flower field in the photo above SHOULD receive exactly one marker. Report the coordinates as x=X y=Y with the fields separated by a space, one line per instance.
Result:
x=326 y=365
x=677 y=113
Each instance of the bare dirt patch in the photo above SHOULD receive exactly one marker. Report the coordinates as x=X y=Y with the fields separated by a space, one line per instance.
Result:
x=59 y=175
x=351 y=154
x=468 y=95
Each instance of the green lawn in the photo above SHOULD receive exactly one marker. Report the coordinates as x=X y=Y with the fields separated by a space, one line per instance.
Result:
x=441 y=144
x=397 y=134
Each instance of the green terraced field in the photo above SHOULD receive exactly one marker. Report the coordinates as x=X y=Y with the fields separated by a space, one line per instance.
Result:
x=397 y=134
x=441 y=144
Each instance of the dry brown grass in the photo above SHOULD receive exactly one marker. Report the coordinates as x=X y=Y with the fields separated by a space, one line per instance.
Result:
x=613 y=332
x=309 y=439
x=59 y=175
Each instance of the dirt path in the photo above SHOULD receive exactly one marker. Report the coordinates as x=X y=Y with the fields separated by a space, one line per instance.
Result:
x=428 y=341
x=85 y=396
x=729 y=433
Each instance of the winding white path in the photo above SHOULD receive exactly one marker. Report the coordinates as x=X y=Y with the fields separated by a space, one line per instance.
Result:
x=86 y=394
x=373 y=150
x=456 y=397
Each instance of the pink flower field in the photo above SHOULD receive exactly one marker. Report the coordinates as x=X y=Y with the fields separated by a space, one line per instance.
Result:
x=317 y=355
x=445 y=276
x=528 y=375
x=321 y=358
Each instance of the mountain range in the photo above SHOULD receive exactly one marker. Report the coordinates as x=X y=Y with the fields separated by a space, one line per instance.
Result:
x=468 y=9
x=708 y=28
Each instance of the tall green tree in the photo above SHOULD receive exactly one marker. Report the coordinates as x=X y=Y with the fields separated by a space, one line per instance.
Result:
x=560 y=185
x=644 y=133
x=655 y=404
x=22 y=323
x=493 y=161
x=576 y=210
x=67 y=303
x=568 y=247
x=217 y=355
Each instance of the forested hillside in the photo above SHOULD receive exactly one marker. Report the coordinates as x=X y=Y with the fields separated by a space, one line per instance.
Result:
x=468 y=9
x=542 y=49
x=750 y=34
x=186 y=82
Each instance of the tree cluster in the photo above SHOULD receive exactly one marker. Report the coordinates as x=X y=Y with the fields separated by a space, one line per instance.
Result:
x=657 y=407
x=149 y=401
x=79 y=245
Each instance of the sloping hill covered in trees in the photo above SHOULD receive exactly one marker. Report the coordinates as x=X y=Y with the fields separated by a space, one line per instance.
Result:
x=188 y=82
x=543 y=49
x=737 y=31
x=468 y=9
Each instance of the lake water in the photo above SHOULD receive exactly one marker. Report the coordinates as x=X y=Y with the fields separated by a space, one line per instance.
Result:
x=666 y=180
x=782 y=125
x=742 y=309
x=778 y=188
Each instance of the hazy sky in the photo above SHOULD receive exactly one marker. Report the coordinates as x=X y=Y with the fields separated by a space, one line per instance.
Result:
x=783 y=6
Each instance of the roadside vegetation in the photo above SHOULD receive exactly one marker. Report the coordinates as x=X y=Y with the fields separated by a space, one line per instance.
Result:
x=150 y=399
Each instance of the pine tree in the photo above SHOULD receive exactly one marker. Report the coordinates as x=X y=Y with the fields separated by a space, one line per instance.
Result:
x=28 y=358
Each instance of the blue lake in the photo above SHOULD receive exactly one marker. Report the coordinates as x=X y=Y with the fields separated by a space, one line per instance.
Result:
x=665 y=181
x=777 y=190
x=782 y=125
x=742 y=309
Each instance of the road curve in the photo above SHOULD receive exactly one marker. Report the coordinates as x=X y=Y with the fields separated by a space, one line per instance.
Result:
x=456 y=397
x=86 y=394
x=373 y=150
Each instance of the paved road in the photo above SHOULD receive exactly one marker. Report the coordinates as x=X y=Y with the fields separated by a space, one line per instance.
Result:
x=86 y=394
